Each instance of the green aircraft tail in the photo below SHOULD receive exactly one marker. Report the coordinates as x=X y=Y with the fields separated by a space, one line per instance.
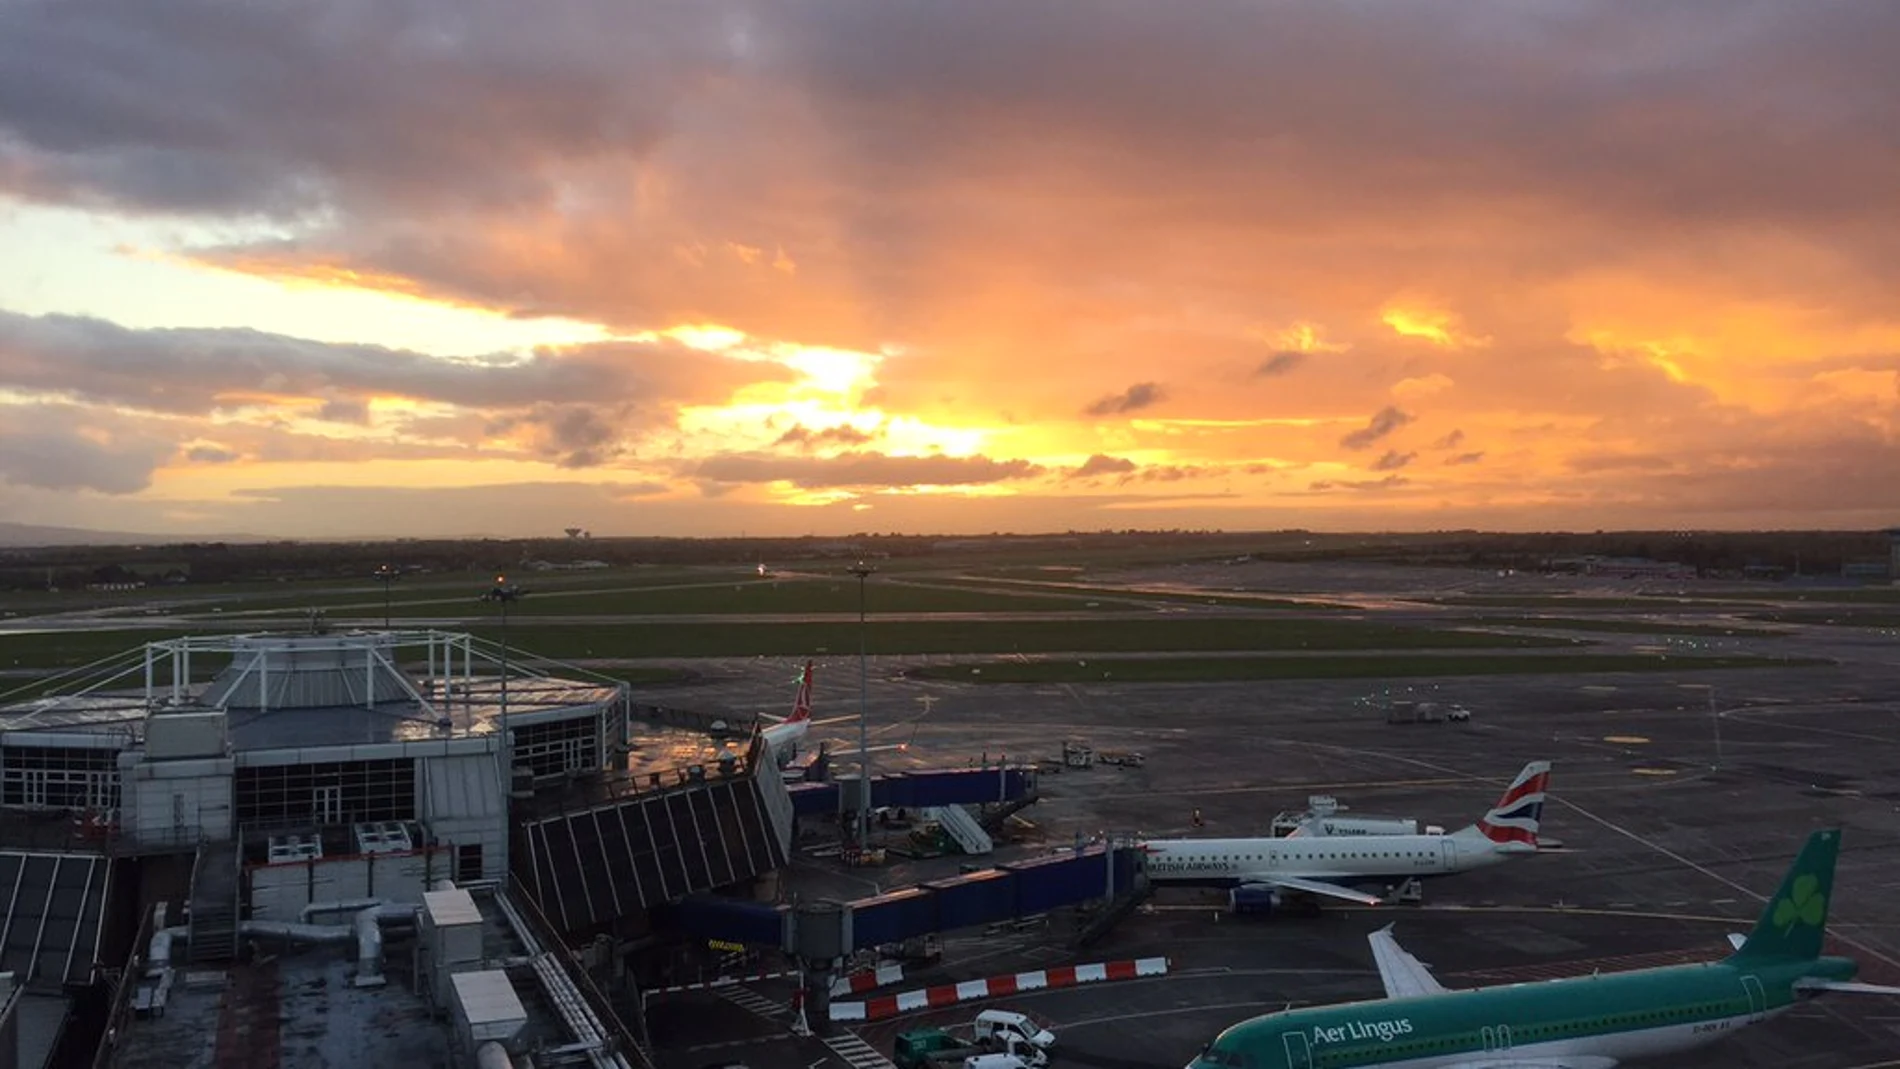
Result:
x=1795 y=920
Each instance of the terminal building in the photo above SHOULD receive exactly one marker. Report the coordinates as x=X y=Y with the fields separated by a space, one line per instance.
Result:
x=254 y=787
x=185 y=828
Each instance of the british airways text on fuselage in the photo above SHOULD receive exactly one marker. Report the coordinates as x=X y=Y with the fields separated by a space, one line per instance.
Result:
x=1207 y=864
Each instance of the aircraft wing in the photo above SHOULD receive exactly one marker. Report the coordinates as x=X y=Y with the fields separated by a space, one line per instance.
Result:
x=1845 y=985
x=844 y=748
x=1555 y=1061
x=1404 y=975
x=833 y=720
x=1316 y=887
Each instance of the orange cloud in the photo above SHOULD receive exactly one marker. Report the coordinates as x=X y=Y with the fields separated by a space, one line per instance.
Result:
x=893 y=244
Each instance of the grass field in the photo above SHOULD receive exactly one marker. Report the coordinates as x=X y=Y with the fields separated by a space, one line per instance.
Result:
x=748 y=639
x=742 y=639
x=1185 y=597
x=1851 y=595
x=1841 y=617
x=756 y=596
x=1574 y=602
x=1228 y=669
x=64 y=649
x=327 y=593
x=1632 y=627
x=435 y=592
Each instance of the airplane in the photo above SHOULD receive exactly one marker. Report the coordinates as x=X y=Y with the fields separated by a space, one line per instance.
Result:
x=785 y=733
x=1584 y=1022
x=1324 y=866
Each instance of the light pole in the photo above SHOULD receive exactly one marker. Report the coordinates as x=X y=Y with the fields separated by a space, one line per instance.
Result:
x=504 y=592
x=1715 y=719
x=863 y=571
x=386 y=575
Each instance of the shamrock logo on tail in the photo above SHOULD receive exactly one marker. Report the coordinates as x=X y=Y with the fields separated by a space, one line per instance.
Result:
x=1804 y=905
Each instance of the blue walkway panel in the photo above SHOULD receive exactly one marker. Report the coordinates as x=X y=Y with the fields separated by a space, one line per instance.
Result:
x=1006 y=892
x=976 y=898
x=735 y=920
x=919 y=790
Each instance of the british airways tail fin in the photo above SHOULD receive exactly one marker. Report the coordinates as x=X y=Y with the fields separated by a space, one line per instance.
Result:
x=1514 y=820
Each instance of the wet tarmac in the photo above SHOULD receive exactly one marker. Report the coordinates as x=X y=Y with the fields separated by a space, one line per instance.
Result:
x=1676 y=816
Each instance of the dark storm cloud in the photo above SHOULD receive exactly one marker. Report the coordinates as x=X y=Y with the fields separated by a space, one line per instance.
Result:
x=61 y=448
x=288 y=107
x=806 y=438
x=188 y=371
x=1280 y=363
x=1390 y=482
x=1135 y=398
x=1100 y=464
x=211 y=454
x=1382 y=423
x=346 y=410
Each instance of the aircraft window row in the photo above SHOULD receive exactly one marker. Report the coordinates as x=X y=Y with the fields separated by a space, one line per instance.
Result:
x=1333 y=856
x=1521 y=1034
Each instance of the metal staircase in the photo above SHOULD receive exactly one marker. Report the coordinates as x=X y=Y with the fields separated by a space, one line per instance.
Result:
x=963 y=829
x=213 y=938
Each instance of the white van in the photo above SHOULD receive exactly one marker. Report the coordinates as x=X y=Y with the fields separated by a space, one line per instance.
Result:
x=998 y=1026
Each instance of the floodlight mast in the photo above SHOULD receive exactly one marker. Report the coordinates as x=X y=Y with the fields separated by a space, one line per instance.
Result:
x=504 y=592
x=863 y=571
x=386 y=575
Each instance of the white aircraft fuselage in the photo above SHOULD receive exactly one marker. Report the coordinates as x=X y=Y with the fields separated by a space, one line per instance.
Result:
x=1329 y=866
x=1227 y=862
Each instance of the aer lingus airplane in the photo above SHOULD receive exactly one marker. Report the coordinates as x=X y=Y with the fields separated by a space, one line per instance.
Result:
x=1329 y=865
x=1588 y=1022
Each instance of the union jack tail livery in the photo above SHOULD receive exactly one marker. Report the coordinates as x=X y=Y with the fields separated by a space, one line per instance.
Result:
x=1514 y=819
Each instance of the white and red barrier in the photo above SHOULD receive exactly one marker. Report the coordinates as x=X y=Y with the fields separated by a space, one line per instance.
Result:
x=932 y=998
x=867 y=980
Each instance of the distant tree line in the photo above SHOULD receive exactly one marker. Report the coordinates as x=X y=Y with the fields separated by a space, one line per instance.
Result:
x=194 y=564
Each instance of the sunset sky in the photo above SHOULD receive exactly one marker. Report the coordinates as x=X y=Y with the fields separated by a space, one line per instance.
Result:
x=447 y=267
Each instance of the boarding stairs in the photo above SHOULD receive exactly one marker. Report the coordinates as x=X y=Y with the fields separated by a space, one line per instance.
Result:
x=213 y=934
x=964 y=830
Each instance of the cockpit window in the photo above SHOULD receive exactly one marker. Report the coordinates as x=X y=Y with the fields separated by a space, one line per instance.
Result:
x=1227 y=1059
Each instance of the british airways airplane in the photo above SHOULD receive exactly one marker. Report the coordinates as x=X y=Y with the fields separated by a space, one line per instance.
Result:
x=1328 y=866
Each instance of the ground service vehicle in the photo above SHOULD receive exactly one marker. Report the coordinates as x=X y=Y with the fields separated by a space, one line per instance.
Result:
x=937 y=1048
x=998 y=1026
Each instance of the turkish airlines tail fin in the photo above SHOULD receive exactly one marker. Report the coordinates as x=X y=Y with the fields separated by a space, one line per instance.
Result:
x=801 y=705
x=1514 y=819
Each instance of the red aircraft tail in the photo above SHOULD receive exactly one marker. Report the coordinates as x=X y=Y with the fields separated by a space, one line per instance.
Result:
x=801 y=705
